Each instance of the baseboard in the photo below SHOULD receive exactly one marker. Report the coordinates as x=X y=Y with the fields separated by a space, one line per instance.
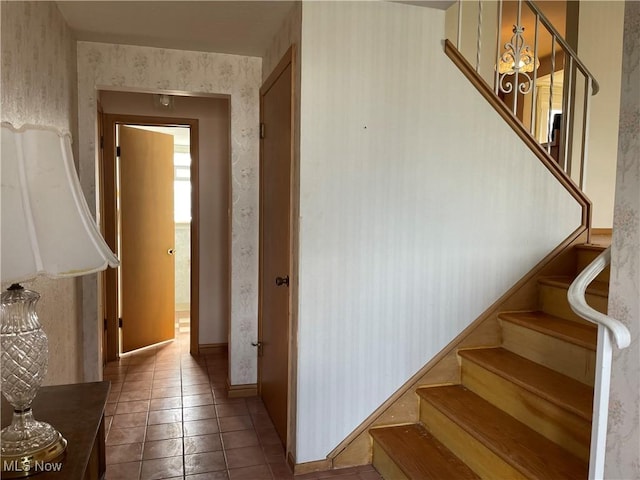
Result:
x=213 y=348
x=309 y=467
x=244 y=390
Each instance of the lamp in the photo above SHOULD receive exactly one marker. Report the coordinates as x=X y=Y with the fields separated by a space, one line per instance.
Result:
x=525 y=65
x=517 y=50
x=46 y=229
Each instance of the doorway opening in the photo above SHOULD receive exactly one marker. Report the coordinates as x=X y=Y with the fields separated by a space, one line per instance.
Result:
x=181 y=250
x=147 y=162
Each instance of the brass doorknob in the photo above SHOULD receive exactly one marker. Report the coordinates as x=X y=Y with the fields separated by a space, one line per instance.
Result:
x=171 y=251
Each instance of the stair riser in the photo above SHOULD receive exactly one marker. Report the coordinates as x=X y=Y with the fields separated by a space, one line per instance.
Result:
x=471 y=451
x=567 y=358
x=385 y=465
x=554 y=422
x=553 y=300
x=585 y=257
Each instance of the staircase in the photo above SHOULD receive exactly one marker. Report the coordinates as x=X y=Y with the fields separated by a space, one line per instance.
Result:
x=522 y=410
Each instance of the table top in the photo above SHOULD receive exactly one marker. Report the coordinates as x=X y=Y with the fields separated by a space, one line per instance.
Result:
x=74 y=410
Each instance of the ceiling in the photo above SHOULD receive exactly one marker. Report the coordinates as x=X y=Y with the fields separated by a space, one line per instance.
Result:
x=236 y=27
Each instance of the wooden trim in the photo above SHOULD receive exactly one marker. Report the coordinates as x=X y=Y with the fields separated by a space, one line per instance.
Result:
x=213 y=348
x=289 y=58
x=103 y=312
x=108 y=198
x=467 y=69
x=310 y=467
x=194 y=290
x=602 y=231
x=241 y=391
x=515 y=298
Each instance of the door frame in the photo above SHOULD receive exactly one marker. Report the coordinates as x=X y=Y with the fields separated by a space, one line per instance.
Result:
x=107 y=198
x=289 y=58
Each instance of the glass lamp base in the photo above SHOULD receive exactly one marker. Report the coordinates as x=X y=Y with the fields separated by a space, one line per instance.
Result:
x=31 y=448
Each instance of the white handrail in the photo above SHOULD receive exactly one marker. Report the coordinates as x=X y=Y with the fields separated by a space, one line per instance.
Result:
x=578 y=304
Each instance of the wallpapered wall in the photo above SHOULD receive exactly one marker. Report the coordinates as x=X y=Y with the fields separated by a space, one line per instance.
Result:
x=39 y=87
x=289 y=33
x=623 y=438
x=413 y=220
x=123 y=67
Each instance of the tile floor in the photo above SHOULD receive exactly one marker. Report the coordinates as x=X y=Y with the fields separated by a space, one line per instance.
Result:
x=168 y=417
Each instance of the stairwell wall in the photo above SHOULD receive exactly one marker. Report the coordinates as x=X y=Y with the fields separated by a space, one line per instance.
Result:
x=419 y=207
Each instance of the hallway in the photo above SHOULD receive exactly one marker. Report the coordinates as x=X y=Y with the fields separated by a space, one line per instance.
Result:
x=168 y=417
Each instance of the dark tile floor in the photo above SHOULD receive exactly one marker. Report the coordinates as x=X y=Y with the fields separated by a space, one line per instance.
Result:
x=169 y=417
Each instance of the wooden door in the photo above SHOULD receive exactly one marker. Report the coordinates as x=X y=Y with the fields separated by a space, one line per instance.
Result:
x=276 y=159
x=147 y=238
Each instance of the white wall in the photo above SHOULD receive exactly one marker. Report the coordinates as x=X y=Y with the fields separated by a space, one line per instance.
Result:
x=39 y=87
x=600 y=49
x=623 y=436
x=131 y=68
x=419 y=208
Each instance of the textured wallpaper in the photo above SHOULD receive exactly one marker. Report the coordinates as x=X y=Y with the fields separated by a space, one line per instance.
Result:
x=623 y=440
x=288 y=34
x=131 y=68
x=419 y=207
x=39 y=87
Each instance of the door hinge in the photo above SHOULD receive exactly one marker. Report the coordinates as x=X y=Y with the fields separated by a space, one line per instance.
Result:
x=118 y=151
x=120 y=322
x=262 y=130
x=105 y=323
x=101 y=142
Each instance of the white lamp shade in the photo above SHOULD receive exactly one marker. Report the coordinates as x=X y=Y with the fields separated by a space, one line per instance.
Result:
x=46 y=226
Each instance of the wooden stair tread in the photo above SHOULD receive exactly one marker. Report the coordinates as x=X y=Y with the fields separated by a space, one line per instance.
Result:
x=579 y=334
x=419 y=455
x=591 y=246
x=555 y=387
x=595 y=288
x=518 y=445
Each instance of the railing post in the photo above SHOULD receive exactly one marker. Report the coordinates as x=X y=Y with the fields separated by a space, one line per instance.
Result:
x=550 y=128
x=585 y=133
x=479 y=40
x=516 y=89
x=532 y=127
x=600 y=415
x=459 y=39
x=566 y=129
x=496 y=87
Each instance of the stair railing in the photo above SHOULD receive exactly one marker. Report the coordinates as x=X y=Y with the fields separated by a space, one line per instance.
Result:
x=607 y=327
x=576 y=296
x=547 y=87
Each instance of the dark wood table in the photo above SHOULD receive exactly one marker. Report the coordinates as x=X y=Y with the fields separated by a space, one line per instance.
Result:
x=76 y=411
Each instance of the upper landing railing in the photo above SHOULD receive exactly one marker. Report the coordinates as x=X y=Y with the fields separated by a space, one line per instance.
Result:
x=522 y=56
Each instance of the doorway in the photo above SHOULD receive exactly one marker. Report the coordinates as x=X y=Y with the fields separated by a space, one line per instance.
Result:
x=276 y=364
x=181 y=251
x=150 y=299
